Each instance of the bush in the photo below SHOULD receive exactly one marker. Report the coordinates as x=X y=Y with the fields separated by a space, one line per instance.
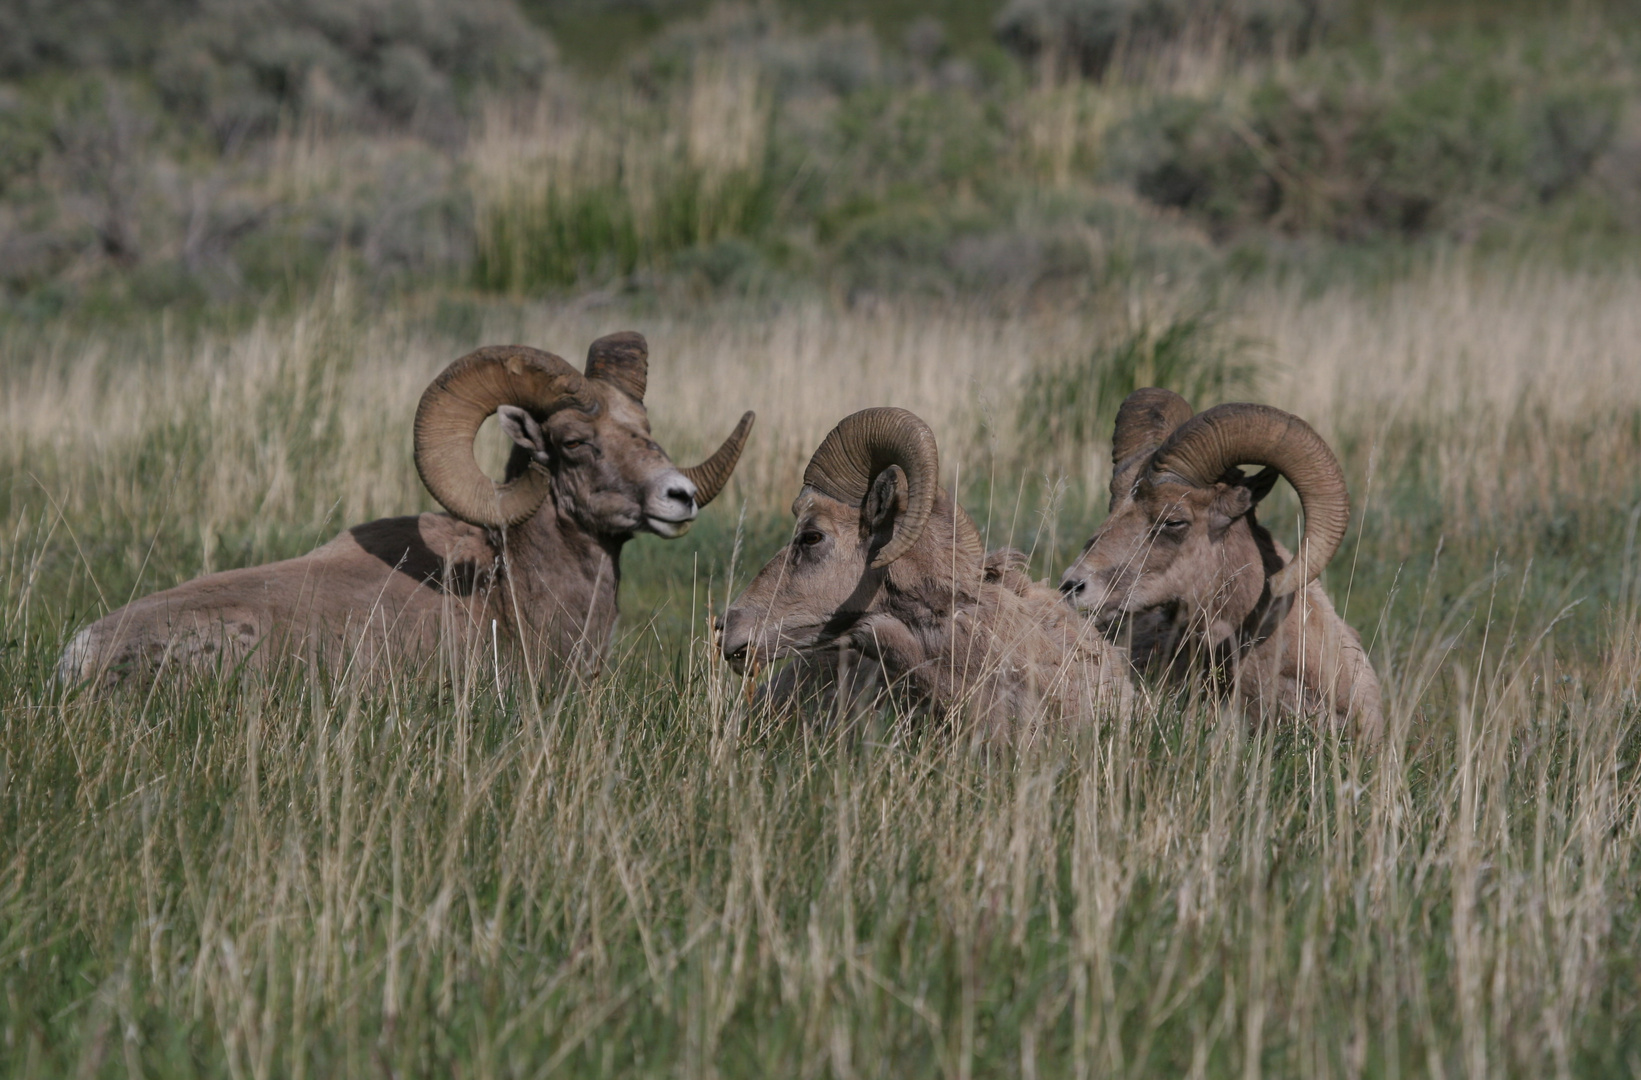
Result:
x=922 y=142
x=25 y=135
x=831 y=61
x=45 y=35
x=107 y=168
x=1187 y=154
x=1086 y=36
x=237 y=65
x=1365 y=145
x=1020 y=245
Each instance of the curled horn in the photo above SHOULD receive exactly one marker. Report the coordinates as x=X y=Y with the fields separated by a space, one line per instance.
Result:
x=711 y=475
x=1144 y=422
x=861 y=447
x=458 y=401
x=621 y=359
x=1222 y=437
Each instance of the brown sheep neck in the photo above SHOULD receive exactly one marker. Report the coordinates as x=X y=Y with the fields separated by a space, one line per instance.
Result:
x=559 y=579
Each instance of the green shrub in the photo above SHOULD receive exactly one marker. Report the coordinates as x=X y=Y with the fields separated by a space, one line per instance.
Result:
x=25 y=135
x=830 y=60
x=237 y=65
x=1070 y=407
x=1569 y=129
x=1087 y=36
x=1401 y=141
x=1187 y=154
x=555 y=237
x=1007 y=249
x=555 y=240
x=46 y=35
x=919 y=143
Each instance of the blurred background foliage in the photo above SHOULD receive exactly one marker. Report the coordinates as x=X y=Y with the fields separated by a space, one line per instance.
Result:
x=215 y=156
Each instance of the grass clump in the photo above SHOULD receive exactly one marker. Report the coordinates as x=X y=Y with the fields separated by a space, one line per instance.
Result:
x=574 y=196
x=1066 y=408
x=554 y=238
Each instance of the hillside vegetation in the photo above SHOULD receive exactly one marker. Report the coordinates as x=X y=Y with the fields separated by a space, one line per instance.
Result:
x=214 y=154
x=236 y=240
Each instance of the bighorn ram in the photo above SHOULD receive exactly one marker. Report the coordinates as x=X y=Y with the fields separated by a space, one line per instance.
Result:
x=884 y=563
x=534 y=559
x=1183 y=571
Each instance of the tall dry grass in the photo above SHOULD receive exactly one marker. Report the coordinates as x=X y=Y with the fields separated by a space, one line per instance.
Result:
x=644 y=876
x=1457 y=350
x=574 y=186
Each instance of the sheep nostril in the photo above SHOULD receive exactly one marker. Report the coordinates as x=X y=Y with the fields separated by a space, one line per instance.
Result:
x=1073 y=586
x=681 y=494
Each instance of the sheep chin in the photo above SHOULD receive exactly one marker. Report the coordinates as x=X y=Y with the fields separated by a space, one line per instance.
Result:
x=667 y=530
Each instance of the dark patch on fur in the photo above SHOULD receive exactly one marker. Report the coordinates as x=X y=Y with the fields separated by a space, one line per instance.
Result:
x=387 y=540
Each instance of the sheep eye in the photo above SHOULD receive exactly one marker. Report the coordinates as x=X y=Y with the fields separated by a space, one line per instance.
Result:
x=811 y=537
x=571 y=444
x=1175 y=524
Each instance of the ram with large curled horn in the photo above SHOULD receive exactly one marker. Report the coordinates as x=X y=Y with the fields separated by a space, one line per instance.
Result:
x=532 y=561
x=1184 y=575
x=884 y=564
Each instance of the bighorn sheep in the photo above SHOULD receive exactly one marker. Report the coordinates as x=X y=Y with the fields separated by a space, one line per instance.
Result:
x=534 y=559
x=1184 y=573
x=884 y=563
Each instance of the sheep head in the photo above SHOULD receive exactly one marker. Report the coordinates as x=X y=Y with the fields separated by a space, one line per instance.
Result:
x=1181 y=530
x=582 y=438
x=874 y=532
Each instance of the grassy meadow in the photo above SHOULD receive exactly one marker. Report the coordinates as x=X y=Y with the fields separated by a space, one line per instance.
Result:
x=643 y=876
x=1411 y=235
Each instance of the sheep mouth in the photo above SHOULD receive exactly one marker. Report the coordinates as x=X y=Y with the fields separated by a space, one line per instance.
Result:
x=1116 y=622
x=749 y=660
x=1109 y=620
x=1112 y=619
x=752 y=657
x=668 y=528
x=1110 y=607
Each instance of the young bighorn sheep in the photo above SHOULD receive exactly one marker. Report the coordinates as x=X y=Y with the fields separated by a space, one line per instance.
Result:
x=883 y=562
x=1183 y=572
x=533 y=561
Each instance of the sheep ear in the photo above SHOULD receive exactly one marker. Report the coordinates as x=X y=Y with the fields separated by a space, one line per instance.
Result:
x=522 y=428
x=1260 y=483
x=885 y=503
x=1230 y=502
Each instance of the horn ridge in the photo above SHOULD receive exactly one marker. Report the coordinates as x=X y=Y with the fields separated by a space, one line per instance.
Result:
x=1241 y=433
x=711 y=475
x=622 y=359
x=458 y=400
x=860 y=447
x=1145 y=420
